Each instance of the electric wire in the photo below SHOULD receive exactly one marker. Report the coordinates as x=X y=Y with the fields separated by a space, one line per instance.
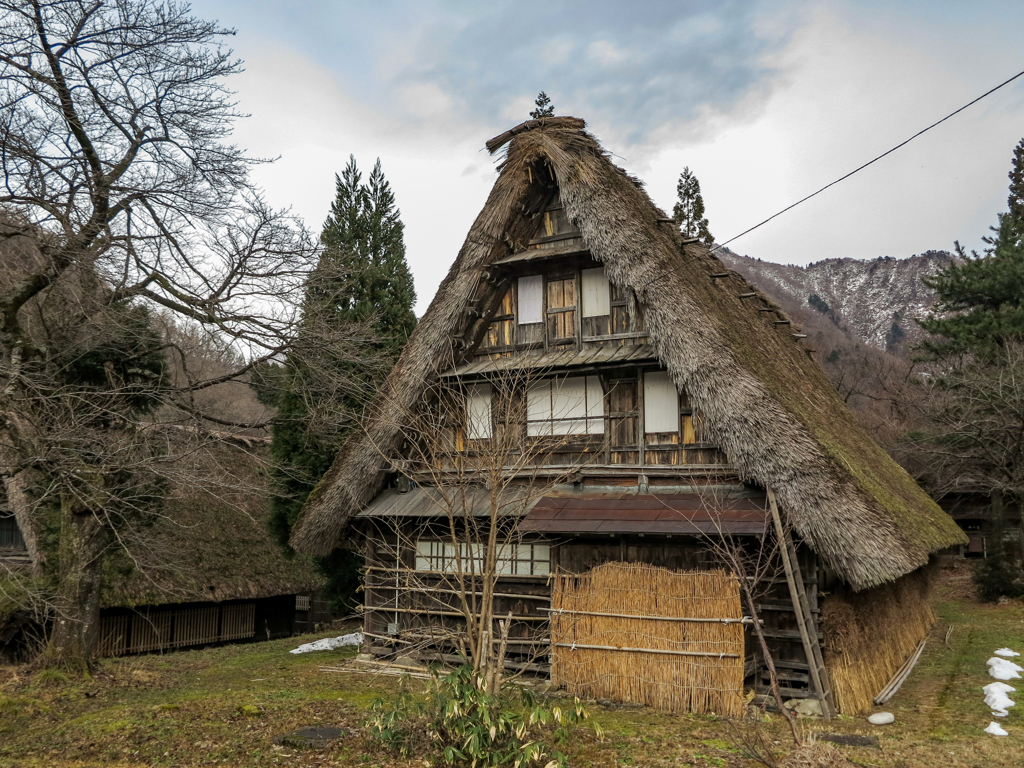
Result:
x=851 y=173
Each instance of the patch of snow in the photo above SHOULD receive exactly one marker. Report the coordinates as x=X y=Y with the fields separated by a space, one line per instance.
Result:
x=330 y=643
x=999 y=701
x=1007 y=653
x=995 y=730
x=998 y=688
x=1001 y=669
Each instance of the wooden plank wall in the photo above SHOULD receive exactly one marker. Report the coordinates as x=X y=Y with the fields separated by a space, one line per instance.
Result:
x=164 y=629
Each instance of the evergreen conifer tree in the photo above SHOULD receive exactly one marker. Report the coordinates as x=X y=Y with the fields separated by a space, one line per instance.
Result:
x=362 y=281
x=542 y=107
x=978 y=343
x=688 y=211
x=1015 y=202
x=980 y=305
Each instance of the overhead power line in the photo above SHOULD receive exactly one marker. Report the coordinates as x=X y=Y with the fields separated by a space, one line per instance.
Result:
x=860 y=168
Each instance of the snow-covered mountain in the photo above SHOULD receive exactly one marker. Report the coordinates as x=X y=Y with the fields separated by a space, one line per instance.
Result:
x=874 y=301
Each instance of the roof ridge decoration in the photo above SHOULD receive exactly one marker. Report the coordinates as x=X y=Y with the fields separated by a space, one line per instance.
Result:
x=767 y=403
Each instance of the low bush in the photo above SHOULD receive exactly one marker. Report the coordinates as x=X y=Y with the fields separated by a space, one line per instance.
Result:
x=468 y=726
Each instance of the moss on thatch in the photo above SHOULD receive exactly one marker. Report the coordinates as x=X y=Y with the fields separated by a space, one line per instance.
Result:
x=768 y=405
x=210 y=541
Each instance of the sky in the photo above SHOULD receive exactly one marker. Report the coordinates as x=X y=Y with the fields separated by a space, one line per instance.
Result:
x=764 y=101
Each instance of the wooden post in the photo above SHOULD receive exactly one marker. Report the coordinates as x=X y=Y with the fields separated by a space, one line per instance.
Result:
x=804 y=620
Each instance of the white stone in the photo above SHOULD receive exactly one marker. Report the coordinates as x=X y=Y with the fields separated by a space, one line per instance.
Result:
x=881 y=718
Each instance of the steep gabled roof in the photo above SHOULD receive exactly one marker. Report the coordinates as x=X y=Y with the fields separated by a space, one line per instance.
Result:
x=765 y=402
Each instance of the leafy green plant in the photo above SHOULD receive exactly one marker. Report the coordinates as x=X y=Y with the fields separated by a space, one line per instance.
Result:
x=468 y=726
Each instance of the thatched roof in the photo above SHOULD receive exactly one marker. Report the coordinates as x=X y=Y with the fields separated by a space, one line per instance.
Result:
x=764 y=400
x=211 y=541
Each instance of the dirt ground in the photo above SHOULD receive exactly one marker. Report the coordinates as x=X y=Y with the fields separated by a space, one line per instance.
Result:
x=224 y=706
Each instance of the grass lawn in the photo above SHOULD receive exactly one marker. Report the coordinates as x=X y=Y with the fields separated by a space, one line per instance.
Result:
x=223 y=706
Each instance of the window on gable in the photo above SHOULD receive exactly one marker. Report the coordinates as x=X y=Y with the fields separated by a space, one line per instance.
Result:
x=569 y=406
x=478 y=411
x=596 y=292
x=531 y=299
x=661 y=403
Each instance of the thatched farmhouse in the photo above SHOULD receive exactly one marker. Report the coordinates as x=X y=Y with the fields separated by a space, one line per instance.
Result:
x=630 y=404
x=206 y=571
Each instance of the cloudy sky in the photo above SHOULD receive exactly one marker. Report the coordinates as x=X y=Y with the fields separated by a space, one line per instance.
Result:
x=764 y=101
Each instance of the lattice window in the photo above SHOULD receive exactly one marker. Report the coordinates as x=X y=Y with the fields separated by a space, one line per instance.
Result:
x=525 y=559
x=570 y=406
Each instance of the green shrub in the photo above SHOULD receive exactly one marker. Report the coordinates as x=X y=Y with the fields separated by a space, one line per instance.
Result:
x=468 y=726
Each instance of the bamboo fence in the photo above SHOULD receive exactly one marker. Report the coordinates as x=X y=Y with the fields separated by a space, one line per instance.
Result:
x=636 y=633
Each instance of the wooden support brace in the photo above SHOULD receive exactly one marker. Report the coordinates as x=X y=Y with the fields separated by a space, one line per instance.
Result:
x=804 y=620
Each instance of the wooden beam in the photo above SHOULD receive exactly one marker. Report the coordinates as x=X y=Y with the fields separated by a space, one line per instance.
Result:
x=812 y=648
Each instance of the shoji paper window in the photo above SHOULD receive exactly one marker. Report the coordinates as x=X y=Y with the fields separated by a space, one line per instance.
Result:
x=570 y=406
x=661 y=403
x=531 y=299
x=596 y=293
x=516 y=559
x=478 y=411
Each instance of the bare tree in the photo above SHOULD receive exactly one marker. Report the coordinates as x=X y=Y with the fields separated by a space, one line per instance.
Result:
x=122 y=198
x=482 y=470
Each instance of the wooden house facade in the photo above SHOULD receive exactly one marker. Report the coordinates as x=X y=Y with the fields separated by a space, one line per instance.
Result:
x=613 y=397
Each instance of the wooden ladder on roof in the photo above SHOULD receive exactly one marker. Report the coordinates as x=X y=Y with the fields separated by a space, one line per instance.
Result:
x=820 y=683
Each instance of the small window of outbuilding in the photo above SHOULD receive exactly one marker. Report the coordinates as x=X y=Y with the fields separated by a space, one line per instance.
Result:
x=478 y=411
x=596 y=292
x=569 y=406
x=531 y=299
x=661 y=403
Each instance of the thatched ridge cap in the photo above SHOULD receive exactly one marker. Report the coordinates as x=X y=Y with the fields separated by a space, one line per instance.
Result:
x=564 y=121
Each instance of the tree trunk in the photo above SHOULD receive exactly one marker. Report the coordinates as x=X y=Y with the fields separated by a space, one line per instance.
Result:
x=83 y=539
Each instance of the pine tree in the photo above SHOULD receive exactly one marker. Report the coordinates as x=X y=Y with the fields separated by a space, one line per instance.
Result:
x=978 y=343
x=980 y=305
x=1015 y=202
x=688 y=212
x=542 y=107
x=361 y=282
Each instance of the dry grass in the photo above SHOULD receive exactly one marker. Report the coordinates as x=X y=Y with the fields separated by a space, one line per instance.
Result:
x=816 y=755
x=672 y=683
x=868 y=636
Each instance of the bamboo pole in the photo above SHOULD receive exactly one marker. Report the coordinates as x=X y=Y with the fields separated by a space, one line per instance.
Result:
x=744 y=620
x=665 y=651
